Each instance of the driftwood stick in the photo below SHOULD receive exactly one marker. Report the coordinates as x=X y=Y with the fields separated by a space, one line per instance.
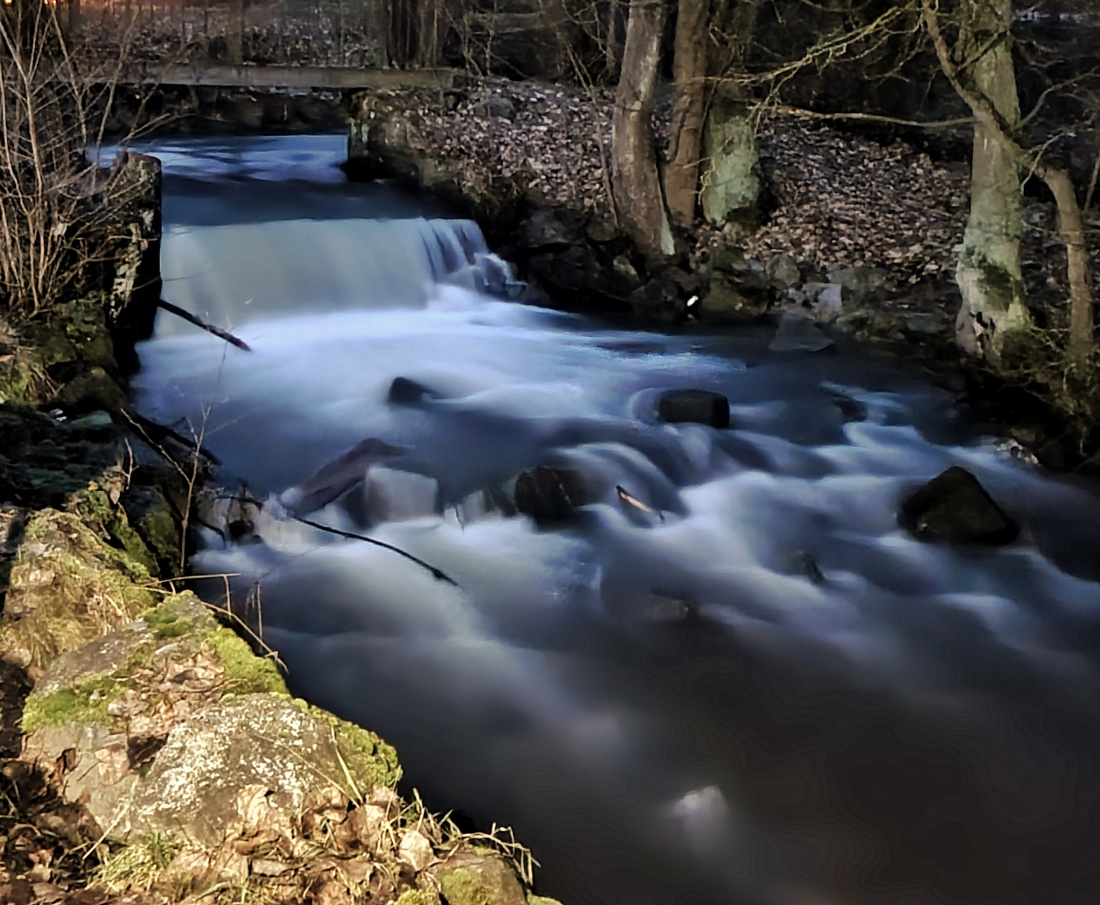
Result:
x=436 y=573
x=209 y=328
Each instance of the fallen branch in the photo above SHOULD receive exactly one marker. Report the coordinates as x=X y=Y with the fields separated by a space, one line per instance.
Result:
x=436 y=573
x=209 y=328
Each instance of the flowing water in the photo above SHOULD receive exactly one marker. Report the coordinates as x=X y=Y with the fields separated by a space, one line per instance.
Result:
x=760 y=691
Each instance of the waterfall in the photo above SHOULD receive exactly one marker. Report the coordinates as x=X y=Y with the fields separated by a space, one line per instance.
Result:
x=235 y=274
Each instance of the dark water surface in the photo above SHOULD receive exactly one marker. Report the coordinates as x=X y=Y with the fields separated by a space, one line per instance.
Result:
x=667 y=710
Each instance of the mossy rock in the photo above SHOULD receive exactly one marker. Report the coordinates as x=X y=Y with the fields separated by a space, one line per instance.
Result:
x=153 y=519
x=417 y=897
x=254 y=740
x=68 y=586
x=95 y=505
x=245 y=672
x=467 y=878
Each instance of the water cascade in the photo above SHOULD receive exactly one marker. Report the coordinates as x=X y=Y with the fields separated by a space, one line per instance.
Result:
x=754 y=687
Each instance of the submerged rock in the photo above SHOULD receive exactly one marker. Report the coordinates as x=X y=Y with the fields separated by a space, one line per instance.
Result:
x=406 y=391
x=954 y=508
x=549 y=494
x=797 y=333
x=694 y=407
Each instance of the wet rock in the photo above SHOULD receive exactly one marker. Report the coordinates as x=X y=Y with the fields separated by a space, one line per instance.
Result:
x=804 y=564
x=405 y=391
x=654 y=608
x=749 y=275
x=797 y=333
x=850 y=409
x=694 y=406
x=954 y=508
x=923 y=324
x=725 y=302
x=154 y=520
x=549 y=494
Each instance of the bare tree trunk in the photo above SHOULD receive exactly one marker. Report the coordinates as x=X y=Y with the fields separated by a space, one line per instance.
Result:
x=988 y=271
x=611 y=58
x=429 y=19
x=636 y=184
x=689 y=72
x=1072 y=227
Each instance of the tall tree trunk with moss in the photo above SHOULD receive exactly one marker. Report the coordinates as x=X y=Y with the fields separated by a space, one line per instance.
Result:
x=988 y=273
x=636 y=184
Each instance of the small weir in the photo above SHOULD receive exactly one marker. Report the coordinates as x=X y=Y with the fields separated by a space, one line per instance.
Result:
x=753 y=688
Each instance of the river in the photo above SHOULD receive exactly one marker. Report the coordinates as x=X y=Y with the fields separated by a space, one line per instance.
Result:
x=756 y=690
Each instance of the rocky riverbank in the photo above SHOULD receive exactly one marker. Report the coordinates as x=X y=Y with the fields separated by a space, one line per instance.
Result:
x=856 y=239
x=148 y=753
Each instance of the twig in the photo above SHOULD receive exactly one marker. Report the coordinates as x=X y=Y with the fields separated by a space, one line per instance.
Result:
x=436 y=573
x=209 y=328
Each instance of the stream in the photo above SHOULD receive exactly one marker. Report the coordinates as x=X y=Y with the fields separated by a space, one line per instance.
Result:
x=756 y=689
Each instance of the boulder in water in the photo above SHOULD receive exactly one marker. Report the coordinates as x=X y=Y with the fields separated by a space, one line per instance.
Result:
x=954 y=508
x=694 y=407
x=549 y=494
x=405 y=391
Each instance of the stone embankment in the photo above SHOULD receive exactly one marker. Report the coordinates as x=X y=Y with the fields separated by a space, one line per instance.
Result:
x=147 y=753
x=855 y=233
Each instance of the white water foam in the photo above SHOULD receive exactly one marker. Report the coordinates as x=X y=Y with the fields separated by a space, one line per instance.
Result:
x=669 y=707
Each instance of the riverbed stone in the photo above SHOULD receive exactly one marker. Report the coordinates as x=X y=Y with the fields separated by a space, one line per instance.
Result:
x=954 y=508
x=798 y=333
x=694 y=407
x=549 y=494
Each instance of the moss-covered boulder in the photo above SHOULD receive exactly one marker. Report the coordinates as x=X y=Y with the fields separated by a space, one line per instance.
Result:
x=159 y=723
x=469 y=878
x=67 y=586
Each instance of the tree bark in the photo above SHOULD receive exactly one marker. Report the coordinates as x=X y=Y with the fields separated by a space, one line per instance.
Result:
x=988 y=273
x=636 y=184
x=1072 y=227
x=689 y=72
